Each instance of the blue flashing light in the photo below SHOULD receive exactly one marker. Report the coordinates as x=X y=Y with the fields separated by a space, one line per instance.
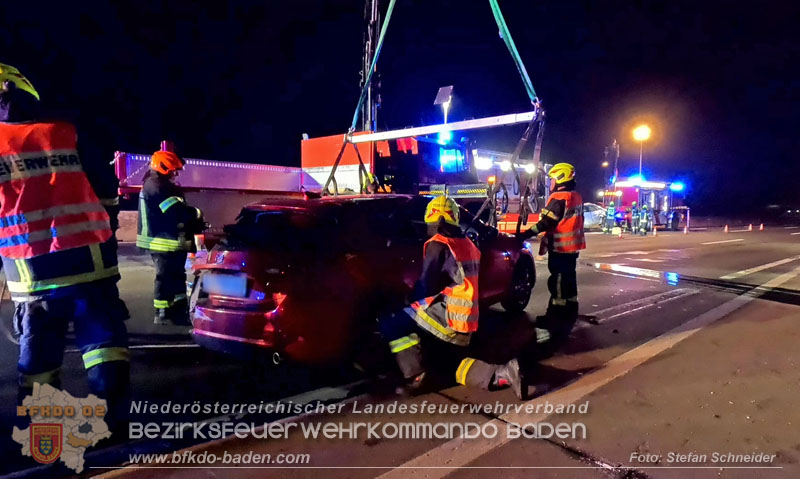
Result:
x=450 y=160
x=672 y=278
x=444 y=137
x=677 y=186
x=636 y=179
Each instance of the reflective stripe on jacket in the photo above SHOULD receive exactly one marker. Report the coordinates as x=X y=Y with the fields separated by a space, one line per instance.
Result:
x=452 y=314
x=165 y=220
x=46 y=201
x=568 y=236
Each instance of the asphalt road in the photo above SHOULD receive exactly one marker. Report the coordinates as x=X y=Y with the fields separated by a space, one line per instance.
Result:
x=637 y=309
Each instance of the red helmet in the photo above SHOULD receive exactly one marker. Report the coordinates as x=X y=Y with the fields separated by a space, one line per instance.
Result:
x=165 y=162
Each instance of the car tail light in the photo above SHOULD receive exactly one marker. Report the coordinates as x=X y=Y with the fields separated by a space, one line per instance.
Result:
x=269 y=332
x=278 y=298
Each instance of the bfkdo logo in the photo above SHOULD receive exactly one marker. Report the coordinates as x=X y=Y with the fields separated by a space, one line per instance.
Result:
x=46 y=442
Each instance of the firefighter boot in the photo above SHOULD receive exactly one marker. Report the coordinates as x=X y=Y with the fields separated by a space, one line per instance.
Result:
x=111 y=381
x=178 y=313
x=510 y=374
x=409 y=360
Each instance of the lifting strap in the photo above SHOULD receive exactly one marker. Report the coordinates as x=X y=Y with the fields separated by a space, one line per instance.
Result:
x=537 y=119
x=506 y=36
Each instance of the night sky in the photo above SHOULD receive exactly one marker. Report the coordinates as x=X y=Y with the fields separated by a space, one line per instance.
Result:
x=241 y=81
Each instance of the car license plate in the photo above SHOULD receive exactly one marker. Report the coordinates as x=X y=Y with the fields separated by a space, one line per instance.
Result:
x=225 y=284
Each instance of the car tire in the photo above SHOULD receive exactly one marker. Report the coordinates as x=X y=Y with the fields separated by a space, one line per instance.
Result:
x=523 y=280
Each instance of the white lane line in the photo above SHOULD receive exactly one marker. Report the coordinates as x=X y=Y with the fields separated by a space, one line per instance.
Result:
x=636 y=253
x=791 y=227
x=642 y=303
x=792 y=234
x=740 y=231
x=756 y=269
x=460 y=452
x=724 y=241
x=645 y=260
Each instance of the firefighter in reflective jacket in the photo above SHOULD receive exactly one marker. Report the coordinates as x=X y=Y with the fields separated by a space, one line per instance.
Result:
x=561 y=221
x=444 y=309
x=611 y=218
x=165 y=227
x=645 y=220
x=58 y=216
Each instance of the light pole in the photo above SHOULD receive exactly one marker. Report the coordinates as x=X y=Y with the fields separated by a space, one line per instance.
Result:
x=641 y=134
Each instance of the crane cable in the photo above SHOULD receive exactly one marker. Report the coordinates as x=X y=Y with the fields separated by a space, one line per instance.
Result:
x=362 y=169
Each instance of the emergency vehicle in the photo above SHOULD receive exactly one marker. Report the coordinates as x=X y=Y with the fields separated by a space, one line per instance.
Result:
x=664 y=199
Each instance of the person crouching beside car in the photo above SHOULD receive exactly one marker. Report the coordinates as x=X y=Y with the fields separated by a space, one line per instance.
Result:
x=444 y=308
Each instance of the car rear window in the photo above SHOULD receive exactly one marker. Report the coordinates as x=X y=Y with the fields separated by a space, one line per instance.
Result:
x=281 y=230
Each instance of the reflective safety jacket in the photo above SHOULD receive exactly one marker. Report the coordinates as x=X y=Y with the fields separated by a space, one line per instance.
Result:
x=568 y=236
x=166 y=222
x=54 y=231
x=562 y=222
x=452 y=314
x=611 y=212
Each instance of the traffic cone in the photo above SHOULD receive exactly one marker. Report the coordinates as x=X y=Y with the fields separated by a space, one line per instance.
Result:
x=750 y=227
x=686 y=230
x=726 y=229
x=620 y=233
x=761 y=228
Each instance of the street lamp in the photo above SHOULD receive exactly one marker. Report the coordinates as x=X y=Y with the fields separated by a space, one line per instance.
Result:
x=641 y=134
x=604 y=164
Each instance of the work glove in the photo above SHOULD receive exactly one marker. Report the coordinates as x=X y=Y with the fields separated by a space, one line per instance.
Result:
x=529 y=233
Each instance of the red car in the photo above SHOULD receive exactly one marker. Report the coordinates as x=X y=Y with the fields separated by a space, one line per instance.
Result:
x=306 y=279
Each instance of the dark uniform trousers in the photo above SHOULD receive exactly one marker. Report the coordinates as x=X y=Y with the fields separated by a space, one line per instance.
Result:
x=406 y=338
x=98 y=316
x=562 y=309
x=170 y=285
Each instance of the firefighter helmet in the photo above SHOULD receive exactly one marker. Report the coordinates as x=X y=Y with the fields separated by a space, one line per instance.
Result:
x=165 y=162
x=444 y=208
x=12 y=75
x=562 y=173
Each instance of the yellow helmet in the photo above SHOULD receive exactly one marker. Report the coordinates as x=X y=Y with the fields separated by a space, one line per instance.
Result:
x=442 y=207
x=562 y=172
x=11 y=74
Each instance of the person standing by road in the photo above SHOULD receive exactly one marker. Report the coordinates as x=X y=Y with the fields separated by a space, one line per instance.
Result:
x=610 y=220
x=165 y=227
x=561 y=221
x=58 y=218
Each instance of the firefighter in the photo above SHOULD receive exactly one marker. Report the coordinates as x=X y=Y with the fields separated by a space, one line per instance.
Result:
x=634 y=218
x=166 y=225
x=562 y=222
x=645 y=220
x=610 y=220
x=58 y=214
x=444 y=308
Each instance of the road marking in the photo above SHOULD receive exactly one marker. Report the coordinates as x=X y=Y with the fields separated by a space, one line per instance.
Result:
x=740 y=231
x=791 y=227
x=642 y=303
x=792 y=234
x=460 y=452
x=756 y=269
x=609 y=255
x=646 y=260
x=724 y=241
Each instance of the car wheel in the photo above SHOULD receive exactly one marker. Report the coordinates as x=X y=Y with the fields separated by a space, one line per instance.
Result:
x=522 y=281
